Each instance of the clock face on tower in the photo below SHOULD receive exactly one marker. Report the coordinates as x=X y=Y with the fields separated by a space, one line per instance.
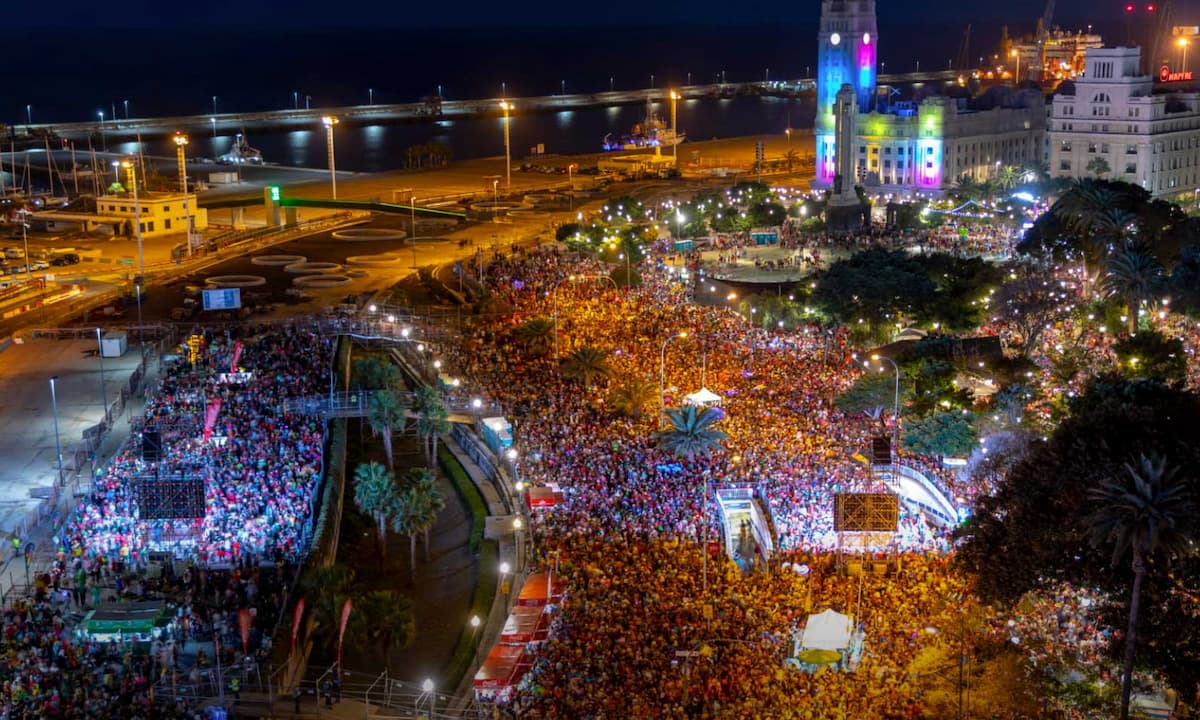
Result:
x=835 y=38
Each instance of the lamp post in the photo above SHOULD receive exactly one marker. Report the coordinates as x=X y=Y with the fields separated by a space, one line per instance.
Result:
x=518 y=526
x=427 y=688
x=674 y=129
x=370 y=96
x=662 y=379
x=214 y=100
x=131 y=169
x=506 y=106
x=181 y=142
x=25 y=242
x=103 y=138
x=213 y=121
x=103 y=389
x=329 y=121
x=1017 y=74
x=126 y=104
x=57 y=441
x=896 y=405
x=295 y=99
x=1183 y=48
x=28 y=114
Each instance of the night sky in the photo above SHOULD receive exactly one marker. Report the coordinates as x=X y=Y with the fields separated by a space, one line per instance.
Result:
x=273 y=15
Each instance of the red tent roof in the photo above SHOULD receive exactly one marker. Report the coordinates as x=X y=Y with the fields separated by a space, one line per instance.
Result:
x=526 y=623
x=500 y=668
x=536 y=590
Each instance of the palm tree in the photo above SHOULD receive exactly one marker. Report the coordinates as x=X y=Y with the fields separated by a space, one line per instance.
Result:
x=385 y=617
x=1134 y=274
x=537 y=334
x=691 y=432
x=586 y=363
x=1143 y=514
x=632 y=395
x=431 y=419
x=1008 y=177
x=326 y=589
x=426 y=500
x=373 y=373
x=386 y=414
x=791 y=158
x=376 y=494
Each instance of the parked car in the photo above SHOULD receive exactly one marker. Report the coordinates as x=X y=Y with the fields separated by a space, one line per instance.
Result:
x=40 y=265
x=68 y=259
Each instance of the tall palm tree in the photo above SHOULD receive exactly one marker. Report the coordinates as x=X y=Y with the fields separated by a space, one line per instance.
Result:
x=431 y=419
x=691 y=432
x=631 y=396
x=386 y=414
x=374 y=373
x=1008 y=177
x=376 y=494
x=537 y=334
x=586 y=364
x=1134 y=275
x=1147 y=512
x=326 y=590
x=427 y=500
x=385 y=617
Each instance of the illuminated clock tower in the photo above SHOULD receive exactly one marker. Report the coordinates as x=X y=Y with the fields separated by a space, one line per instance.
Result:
x=846 y=53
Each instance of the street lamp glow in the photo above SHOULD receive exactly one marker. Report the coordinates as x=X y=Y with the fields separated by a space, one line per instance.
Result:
x=504 y=568
x=329 y=121
x=475 y=621
x=506 y=106
x=511 y=453
x=517 y=524
x=427 y=685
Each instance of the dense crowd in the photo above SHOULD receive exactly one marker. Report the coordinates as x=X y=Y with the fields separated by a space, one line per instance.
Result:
x=259 y=468
x=630 y=529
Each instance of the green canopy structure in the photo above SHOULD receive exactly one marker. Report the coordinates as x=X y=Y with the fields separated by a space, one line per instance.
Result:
x=136 y=620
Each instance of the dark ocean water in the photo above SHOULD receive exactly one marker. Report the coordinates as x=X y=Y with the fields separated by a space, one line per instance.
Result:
x=72 y=76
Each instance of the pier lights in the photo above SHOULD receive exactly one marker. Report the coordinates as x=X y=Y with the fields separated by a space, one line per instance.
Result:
x=329 y=121
x=181 y=142
x=506 y=106
x=674 y=128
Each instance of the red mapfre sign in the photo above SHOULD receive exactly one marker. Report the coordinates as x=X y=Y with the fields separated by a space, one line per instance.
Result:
x=1165 y=75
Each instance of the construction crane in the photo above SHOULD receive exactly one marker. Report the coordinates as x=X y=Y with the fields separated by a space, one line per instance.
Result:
x=1161 y=37
x=963 y=62
x=1043 y=31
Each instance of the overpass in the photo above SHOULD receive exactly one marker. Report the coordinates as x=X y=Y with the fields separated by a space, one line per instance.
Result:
x=434 y=109
x=357 y=404
x=358 y=205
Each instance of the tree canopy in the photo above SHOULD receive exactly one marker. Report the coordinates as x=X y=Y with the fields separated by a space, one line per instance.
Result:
x=873 y=285
x=1033 y=531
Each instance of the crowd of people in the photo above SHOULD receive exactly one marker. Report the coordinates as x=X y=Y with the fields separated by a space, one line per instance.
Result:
x=259 y=465
x=631 y=526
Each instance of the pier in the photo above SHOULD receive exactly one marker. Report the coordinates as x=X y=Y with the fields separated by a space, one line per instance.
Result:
x=434 y=109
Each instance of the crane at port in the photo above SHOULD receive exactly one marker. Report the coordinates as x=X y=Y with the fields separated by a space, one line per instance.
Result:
x=1161 y=37
x=1043 y=31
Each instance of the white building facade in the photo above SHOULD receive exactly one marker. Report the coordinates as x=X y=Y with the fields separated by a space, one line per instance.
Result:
x=1144 y=134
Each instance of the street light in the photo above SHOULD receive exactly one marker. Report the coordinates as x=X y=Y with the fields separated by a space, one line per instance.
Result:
x=57 y=441
x=131 y=170
x=506 y=106
x=25 y=241
x=1017 y=74
x=181 y=142
x=214 y=99
x=370 y=96
x=28 y=114
x=1183 y=47
x=662 y=379
x=103 y=139
x=674 y=129
x=896 y=406
x=329 y=121
x=103 y=389
x=126 y=104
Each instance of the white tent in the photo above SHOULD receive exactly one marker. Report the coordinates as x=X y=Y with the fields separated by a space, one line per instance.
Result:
x=703 y=397
x=827 y=630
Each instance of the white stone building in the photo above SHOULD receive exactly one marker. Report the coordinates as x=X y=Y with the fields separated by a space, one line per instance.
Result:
x=1146 y=133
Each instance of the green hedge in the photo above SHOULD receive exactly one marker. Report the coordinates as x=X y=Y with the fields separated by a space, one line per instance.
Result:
x=488 y=553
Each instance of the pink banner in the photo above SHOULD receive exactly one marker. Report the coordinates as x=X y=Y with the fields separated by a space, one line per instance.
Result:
x=296 y=622
x=342 y=632
x=210 y=418
x=237 y=353
x=245 y=620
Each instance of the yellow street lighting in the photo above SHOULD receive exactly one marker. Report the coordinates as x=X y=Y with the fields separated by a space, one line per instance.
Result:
x=506 y=106
x=329 y=121
x=181 y=142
